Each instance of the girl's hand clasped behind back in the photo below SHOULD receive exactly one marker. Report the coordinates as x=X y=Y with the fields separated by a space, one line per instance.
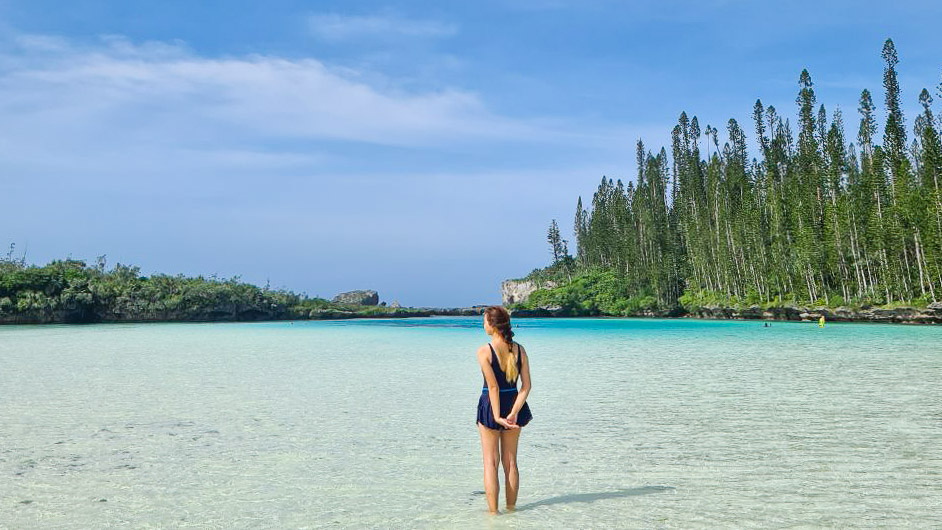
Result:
x=503 y=422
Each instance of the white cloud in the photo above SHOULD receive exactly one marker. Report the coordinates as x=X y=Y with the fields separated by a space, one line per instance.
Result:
x=116 y=115
x=336 y=27
x=156 y=104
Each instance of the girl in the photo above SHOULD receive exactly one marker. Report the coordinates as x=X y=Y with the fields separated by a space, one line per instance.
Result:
x=502 y=408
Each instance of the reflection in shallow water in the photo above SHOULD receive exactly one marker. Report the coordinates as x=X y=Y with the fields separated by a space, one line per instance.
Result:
x=369 y=423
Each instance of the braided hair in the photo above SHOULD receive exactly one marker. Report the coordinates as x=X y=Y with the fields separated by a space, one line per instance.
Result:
x=498 y=318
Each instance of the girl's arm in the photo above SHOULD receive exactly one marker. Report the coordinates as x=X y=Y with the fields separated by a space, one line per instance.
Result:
x=524 y=384
x=493 y=391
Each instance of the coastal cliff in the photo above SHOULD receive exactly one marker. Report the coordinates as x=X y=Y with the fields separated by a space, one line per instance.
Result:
x=518 y=291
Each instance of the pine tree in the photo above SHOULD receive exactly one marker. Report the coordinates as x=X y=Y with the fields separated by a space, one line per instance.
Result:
x=805 y=191
x=929 y=204
x=579 y=232
x=555 y=242
x=900 y=229
x=894 y=135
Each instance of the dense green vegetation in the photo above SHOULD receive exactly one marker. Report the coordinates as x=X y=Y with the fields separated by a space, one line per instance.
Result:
x=815 y=220
x=72 y=291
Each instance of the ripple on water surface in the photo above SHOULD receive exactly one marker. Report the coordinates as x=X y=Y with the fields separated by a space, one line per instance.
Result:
x=369 y=423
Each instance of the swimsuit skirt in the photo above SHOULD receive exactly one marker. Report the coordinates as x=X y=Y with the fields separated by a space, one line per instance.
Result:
x=507 y=396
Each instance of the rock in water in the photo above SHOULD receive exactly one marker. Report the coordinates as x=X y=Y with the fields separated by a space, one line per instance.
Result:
x=360 y=297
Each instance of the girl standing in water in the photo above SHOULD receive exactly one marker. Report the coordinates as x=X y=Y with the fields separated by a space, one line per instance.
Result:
x=502 y=408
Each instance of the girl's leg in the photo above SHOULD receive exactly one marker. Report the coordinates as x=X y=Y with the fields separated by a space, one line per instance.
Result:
x=508 y=456
x=489 y=451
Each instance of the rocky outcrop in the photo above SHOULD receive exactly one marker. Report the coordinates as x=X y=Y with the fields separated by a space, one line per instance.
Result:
x=903 y=315
x=749 y=313
x=517 y=291
x=359 y=297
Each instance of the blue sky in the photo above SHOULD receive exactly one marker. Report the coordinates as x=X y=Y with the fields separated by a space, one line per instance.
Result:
x=416 y=148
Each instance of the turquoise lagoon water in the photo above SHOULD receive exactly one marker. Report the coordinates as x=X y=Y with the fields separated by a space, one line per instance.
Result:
x=370 y=423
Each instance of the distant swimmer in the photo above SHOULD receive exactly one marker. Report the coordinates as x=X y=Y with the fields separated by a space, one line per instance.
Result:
x=821 y=322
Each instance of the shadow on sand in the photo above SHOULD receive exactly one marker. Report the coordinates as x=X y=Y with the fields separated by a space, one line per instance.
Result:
x=592 y=497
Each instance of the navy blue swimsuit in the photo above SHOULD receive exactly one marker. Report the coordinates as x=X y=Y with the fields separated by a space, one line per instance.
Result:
x=507 y=396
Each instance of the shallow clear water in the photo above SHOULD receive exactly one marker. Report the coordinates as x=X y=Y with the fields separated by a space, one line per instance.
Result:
x=370 y=423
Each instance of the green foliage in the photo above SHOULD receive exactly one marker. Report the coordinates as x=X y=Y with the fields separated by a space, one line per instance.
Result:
x=595 y=292
x=694 y=299
x=71 y=291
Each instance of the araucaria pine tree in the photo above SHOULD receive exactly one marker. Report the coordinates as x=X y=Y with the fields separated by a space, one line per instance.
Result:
x=812 y=220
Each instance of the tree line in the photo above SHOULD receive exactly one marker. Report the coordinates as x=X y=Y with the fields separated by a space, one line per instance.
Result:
x=73 y=291
x=809 y=219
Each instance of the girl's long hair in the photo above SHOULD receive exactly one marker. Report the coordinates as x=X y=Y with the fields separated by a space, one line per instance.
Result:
x=499 y=319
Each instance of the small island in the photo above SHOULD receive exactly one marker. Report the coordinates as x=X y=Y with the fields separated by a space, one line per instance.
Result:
x=71 y=291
